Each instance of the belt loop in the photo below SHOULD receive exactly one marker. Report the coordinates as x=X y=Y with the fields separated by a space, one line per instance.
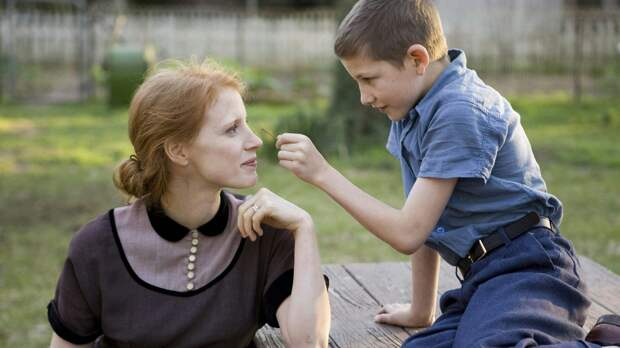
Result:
x=458 y=275
x=554 y=228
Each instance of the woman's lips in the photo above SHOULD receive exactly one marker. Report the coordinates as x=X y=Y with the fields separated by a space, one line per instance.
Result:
x=251 y=163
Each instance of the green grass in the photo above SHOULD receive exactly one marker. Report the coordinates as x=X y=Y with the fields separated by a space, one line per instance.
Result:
x=55 y=175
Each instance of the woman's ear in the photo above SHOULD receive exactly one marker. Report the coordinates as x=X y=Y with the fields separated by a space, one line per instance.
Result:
x=177 y=153
x=418 y=56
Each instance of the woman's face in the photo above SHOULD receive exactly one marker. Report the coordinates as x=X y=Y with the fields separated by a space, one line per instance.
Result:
x=224 y=152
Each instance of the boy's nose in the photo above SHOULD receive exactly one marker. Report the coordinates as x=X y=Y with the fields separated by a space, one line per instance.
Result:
x=366 y=98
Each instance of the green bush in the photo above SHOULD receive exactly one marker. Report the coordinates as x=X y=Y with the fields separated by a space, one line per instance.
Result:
x=125 y=68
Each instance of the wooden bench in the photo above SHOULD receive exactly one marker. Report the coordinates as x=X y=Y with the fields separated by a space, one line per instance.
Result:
x=358 y=290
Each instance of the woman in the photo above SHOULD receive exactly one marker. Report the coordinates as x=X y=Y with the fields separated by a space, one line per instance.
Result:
x=175 y=267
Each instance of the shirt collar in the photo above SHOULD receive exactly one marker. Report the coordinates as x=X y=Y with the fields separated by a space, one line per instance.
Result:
x=457 y=66
x=172 y=231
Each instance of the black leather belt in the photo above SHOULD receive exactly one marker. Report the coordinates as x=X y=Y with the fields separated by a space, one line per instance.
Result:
x=495 y=240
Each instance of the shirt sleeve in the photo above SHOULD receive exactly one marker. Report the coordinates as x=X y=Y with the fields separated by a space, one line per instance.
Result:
x=69 y=313
x=461 y=141
x=279 y=275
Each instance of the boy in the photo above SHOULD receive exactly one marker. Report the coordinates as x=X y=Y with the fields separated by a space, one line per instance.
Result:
x=475 y=194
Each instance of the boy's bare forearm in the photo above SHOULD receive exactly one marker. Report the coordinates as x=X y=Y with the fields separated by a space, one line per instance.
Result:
x=425 y=279
x=382 y=220
x=404 y=229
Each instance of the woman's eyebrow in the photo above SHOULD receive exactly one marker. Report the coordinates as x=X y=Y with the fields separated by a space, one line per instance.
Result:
x=233 y=120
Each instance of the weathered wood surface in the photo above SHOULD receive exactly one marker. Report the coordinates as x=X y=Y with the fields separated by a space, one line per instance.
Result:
x=358 y=290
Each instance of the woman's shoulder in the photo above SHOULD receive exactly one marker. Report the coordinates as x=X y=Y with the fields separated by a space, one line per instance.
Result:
x=92 y=236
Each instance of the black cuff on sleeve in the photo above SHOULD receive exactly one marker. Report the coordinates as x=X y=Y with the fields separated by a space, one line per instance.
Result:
x=62 y=331
x=279 y=290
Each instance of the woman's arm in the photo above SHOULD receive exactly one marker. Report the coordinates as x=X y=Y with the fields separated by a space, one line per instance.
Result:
x=304 y=317
x=58 y=342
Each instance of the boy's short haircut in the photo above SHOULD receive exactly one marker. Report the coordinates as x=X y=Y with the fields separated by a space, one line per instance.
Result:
x=385 y=29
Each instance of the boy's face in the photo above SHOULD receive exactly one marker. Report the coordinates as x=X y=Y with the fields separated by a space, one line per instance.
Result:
x=385 y=87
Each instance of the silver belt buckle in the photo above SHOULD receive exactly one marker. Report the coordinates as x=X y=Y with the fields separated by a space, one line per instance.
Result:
x=484 y=251
x=471 y=259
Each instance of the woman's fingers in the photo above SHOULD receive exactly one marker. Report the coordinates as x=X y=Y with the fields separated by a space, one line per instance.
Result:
x=251 y=214
x=247 y=224
x=243 y=212
x=240 y=210
x=257 y=218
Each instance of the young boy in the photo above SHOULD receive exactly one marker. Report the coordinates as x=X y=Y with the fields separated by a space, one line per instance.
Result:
x=475 y=194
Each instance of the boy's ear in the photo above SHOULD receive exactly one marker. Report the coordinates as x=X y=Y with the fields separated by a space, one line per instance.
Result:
x=418 y=56
x=177 y=153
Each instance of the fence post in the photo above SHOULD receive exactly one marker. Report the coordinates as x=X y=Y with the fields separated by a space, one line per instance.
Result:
x=11 y=76
x=85 y=50
x=240 y=37
x=578 y=55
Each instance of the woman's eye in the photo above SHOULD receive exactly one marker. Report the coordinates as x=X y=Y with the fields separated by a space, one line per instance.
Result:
x=233 y=129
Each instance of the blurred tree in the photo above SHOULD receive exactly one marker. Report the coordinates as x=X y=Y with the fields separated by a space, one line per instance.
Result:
x=358 y=126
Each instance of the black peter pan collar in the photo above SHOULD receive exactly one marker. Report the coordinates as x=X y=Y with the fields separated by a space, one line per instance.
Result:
x=172 y=231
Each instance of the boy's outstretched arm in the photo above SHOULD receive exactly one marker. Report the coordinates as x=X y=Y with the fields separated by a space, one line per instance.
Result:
x=404 y=229
x=425 y=278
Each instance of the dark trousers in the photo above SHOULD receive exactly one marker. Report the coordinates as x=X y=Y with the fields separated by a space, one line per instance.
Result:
x=527 y=293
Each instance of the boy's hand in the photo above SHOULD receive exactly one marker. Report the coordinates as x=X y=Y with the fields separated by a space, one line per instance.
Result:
x=402 y=314
x=299 y=155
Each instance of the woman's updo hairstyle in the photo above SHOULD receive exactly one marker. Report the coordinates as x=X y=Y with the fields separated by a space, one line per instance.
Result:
x=169 y=106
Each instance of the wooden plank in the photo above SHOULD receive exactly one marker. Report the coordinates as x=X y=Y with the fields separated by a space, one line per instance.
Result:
x=390 y=282
x=386 y=282
x=604 y=285
x=268 y=337
x=353 y=310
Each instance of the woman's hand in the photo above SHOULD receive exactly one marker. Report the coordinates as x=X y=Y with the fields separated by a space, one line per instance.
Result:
x=269 y=208
x=299 y=155
x=402 y=314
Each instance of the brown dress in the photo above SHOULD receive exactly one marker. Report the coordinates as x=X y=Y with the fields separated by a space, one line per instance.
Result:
x=111 y=289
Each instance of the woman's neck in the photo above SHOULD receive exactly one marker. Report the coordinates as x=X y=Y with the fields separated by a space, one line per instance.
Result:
x=189 y=206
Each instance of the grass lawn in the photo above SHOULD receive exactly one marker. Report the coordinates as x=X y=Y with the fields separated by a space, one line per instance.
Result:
x=55 y=175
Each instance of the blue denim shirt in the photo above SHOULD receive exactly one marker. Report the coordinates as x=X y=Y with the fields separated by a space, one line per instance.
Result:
x=464 y=129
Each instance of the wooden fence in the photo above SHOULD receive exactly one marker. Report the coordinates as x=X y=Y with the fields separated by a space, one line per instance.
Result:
x=497 y=36
x=282 y=41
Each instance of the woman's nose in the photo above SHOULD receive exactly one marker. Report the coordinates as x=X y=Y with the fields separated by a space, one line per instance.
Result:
x=254 y=142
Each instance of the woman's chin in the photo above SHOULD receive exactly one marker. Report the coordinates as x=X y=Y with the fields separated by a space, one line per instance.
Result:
x=243 y=184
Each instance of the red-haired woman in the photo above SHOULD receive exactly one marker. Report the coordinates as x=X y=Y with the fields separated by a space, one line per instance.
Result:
x=187 y=264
